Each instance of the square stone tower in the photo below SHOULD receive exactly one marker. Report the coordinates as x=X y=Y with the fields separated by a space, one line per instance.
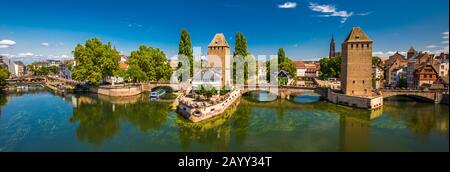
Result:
x=219 y=57
x=357 y=64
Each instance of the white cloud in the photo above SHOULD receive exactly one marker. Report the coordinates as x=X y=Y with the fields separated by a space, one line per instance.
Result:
x=377 y=53
x=25 y=54
x=386 y=54
x=445 y=37
x=64 y=56
x=46 y=44
x=445 y=42
x=444 y=33
x=7 y=42
x=331 y=11
x=288 y=5
x=432 y=46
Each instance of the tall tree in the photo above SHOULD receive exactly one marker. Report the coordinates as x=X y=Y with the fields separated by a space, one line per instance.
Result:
x=241 y=50
x=281 y=56
x=284 y=63
x=185 y=48
x=151 y=61
x=95 y=61
x=4 y=74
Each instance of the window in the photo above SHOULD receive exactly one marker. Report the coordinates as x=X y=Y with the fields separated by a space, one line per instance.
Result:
x=354 y=82
x=353 y=92
x=364 y=82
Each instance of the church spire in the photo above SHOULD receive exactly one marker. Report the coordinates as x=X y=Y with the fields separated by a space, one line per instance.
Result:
x=332 y=47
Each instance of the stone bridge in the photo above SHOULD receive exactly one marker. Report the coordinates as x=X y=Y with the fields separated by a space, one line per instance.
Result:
x=63 y=80
x=438 y=96
x=283 y=92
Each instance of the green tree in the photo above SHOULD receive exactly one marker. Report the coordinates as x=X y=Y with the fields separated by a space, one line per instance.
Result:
x=330 y=68
x=225 y=90
x=151 y=61
x=376 y=61
x=402 y=83
x=4 y=74
x=241 y=50
x=136 y=74
x=95 y=61
x=284 y=63
x=185 y=48
x=206 y=90
x=32 y=68
x=281 y=56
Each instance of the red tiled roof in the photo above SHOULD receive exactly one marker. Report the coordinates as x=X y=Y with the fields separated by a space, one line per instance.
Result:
x=299 y=64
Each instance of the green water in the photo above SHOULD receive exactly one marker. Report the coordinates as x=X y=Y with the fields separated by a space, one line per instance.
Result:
x=42 y=121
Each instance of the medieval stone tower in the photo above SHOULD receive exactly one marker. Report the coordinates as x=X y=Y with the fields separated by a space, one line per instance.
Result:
x=357 y=64
x=219 y=57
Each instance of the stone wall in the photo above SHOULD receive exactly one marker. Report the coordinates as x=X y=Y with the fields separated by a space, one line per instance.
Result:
x=117 y=92
x=203 y=113
x=354 y=101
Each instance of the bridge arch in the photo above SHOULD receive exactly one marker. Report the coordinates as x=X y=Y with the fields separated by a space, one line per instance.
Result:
x=165 y=87
x=430 y=96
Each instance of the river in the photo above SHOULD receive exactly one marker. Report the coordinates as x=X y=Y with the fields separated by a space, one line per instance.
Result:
x=38 y=120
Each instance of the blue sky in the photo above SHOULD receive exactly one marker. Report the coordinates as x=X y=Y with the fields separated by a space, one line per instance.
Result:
x=38 y=29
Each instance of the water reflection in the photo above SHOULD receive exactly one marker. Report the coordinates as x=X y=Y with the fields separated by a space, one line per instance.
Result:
x=214 y=133
x=101 y=117
x=355 y=132
x=261 y=96
x=421 y=118
x=306 y=98
x=142 y=125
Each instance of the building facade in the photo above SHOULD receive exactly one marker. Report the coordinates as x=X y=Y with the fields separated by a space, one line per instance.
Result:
x=395 y=62
x=426 y=75
x=397 y=77
x=219 y=57
x=357 y=64
x=378 y=75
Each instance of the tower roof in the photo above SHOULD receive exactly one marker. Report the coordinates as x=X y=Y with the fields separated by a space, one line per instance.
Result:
x=357 y=35
x=219 y=41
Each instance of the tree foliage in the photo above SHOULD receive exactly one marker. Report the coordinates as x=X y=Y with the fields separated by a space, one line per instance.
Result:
x=241 y=50
x=43 y=71
x=284 y=63
x=376 y=61
x=95 y=61
x=185 y=48
x=151 y=61
x=330 y=67
x=4 y=74
x=136 y=74
x=206 y=90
